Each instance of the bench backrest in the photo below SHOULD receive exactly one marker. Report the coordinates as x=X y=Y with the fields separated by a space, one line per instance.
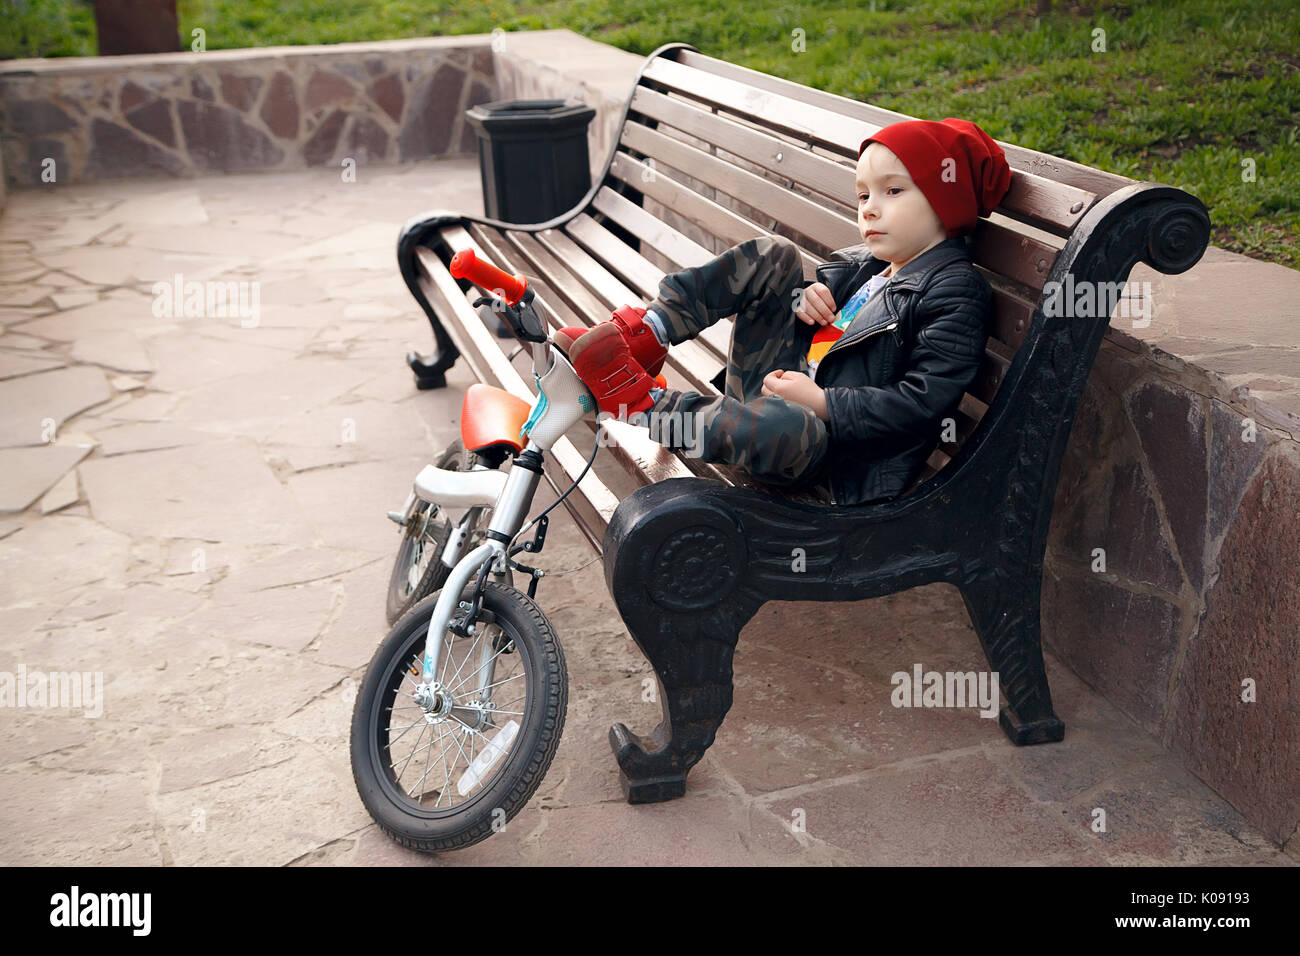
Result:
x=766 y=155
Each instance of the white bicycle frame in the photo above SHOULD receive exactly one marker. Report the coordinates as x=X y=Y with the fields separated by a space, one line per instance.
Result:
x=562 y=401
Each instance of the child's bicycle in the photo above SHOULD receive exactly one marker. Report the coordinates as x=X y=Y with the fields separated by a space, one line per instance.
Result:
x=460 y=711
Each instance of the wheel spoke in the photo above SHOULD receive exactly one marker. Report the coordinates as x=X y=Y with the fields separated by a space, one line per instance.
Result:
x=456 y=740
x=471 y=746
x=446 y=777
x=483 y=665
x=468 y=654
x=505 y=680
x=420 y=783
x=406 y=676
x=408 y=758
x=407 y=727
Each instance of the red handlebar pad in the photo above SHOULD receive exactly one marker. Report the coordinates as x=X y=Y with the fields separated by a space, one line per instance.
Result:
x=466 y=265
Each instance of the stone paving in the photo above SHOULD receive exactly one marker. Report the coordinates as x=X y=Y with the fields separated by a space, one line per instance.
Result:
x=193 y=507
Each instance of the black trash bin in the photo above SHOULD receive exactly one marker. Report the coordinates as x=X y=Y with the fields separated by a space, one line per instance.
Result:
x=532 y=157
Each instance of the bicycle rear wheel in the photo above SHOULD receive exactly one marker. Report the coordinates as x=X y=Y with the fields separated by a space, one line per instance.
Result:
x=417 y=571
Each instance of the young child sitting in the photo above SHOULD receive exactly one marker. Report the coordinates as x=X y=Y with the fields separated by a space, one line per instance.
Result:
x=855 y=393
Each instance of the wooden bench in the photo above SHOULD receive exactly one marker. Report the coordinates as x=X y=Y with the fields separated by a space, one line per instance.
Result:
x=692 y=550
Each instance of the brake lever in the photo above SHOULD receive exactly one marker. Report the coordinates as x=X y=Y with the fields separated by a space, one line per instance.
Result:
x=518 y=310
x=496 y=304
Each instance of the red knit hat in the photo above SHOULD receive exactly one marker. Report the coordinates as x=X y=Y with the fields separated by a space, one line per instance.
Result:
x=960 y=191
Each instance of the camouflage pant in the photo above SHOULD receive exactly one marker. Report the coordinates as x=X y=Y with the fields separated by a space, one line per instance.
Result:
x=776 y=440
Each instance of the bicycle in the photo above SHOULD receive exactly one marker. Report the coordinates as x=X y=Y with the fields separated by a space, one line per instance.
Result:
x=439 y=670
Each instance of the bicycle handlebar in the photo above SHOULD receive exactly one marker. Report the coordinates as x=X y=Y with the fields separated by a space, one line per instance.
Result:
x=466 y=265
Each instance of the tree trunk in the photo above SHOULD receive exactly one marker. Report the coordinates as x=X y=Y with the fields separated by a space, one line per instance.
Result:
x=136 y=26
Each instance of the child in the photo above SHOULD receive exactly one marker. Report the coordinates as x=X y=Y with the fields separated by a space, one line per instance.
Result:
x=854 y=396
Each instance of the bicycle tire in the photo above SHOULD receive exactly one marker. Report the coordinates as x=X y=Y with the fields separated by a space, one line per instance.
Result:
x=516 y=779
x=400 y=600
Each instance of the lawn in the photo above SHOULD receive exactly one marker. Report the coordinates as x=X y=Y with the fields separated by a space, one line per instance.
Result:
x=1200 y=94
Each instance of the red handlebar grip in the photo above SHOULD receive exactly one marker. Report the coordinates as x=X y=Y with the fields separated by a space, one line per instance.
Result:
x=466 y=265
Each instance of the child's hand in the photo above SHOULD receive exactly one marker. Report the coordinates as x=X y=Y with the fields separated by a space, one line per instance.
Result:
x=816 y=307
x=796 y=387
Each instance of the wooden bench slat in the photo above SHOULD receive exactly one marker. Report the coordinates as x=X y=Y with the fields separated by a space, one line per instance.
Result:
x=1090 y=184
x=675 y=246
x=652 y=461
x=972 y=408
x=1017 y=257
x=874 y=116
x=595 y=275
x=804 y=121
x=833 y=180
x=1054 y=204
x=581 y=301
x=775 y=202
x=727 y=227
x=616 y=256
x=1011 y=317
x=992 y=371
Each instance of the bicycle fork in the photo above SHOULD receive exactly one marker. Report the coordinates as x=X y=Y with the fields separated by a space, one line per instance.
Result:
x=508 y=517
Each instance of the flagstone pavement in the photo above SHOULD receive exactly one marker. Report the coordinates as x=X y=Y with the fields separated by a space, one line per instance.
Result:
x=193 y=507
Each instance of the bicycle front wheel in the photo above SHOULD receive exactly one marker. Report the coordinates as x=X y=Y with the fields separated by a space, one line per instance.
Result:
x=444 y=774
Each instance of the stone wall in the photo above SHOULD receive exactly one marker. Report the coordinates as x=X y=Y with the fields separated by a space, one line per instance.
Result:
x=1171 y=570
x=190 y=114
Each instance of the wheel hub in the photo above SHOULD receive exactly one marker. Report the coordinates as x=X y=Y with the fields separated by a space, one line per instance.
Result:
x=436 y=701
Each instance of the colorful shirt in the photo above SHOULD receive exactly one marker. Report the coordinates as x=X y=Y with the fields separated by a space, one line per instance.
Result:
x=828 y=335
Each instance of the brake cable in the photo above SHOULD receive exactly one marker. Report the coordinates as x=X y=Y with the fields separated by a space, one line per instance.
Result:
x=535 y=545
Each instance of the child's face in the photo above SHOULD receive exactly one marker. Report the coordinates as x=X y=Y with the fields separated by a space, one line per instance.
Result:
x=891 y=205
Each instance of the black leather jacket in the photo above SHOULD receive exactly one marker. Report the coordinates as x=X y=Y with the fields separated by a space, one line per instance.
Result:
x=901 y=366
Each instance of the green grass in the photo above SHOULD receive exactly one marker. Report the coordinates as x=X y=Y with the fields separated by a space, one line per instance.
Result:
x=1186 y=92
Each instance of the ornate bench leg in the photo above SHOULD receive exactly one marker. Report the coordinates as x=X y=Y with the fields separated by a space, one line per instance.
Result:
x=1005 y=613
x=691 y=655
x=675 y=567
x=430 y=370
